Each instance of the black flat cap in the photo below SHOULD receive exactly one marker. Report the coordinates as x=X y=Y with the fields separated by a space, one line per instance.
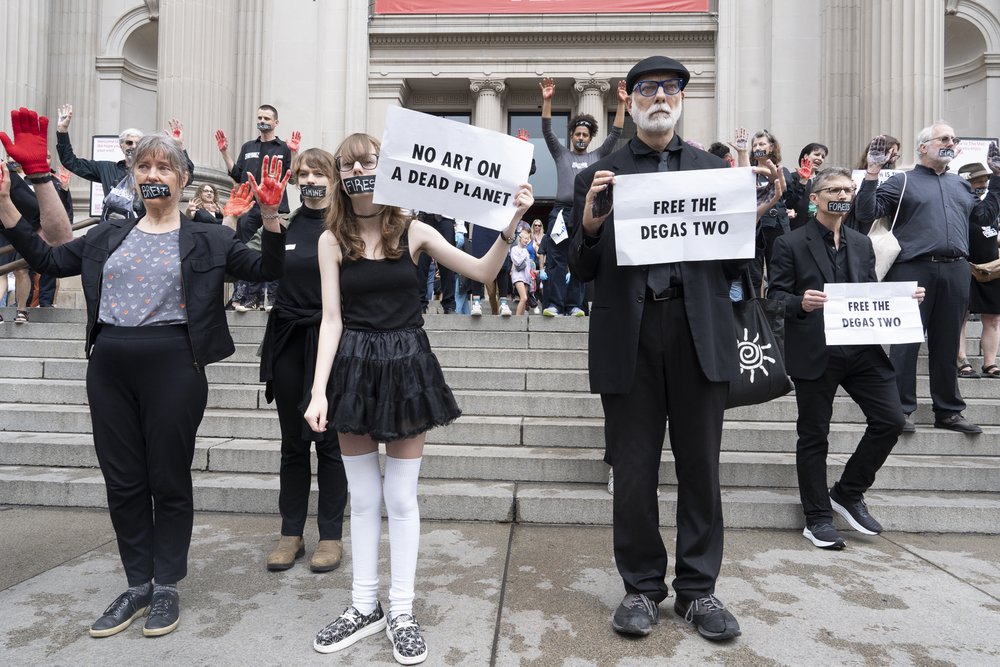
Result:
x=655 y=64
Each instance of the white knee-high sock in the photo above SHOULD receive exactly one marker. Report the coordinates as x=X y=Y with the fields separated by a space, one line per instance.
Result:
x=400 y=492
x=364 y=482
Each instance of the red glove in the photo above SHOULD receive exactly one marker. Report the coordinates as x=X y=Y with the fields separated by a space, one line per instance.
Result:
x=30 y=141
x=268 y=192
x=240 y=201
x=805 y=168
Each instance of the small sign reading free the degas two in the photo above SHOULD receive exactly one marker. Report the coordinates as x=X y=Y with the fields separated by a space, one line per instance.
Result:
x=871 y=313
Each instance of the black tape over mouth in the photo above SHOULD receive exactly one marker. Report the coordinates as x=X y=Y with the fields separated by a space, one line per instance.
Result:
x=356 y=185
x=313 y=191
x=154 y=190
x=838 y=207
x=946 y=152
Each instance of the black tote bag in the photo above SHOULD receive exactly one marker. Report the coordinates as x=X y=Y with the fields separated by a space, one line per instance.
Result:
x=759 y=328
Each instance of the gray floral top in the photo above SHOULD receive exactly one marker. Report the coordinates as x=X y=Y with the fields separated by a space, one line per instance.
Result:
x=141 y=285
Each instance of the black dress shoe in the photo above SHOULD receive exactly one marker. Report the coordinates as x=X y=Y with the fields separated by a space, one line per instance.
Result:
x=710 y=616
x=957 y=422
x=635 y=615
x=164 y=613
x=119 y=615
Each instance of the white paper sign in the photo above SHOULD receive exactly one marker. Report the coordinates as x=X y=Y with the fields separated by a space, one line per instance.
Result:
x=972 y=149
x=871 y=313
x=858 y=175
x=559 y=231
x=450 y=168
x=684 y=216
x=103 y=147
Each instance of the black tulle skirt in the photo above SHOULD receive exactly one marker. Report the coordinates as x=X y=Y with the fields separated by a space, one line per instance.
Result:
x=388 y=385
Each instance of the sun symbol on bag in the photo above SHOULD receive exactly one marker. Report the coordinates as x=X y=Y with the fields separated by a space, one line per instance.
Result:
x=752 y=354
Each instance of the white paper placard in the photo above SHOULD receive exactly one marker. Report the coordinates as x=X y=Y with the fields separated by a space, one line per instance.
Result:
x=858 y=175
x=456 y=170
x=685 y=216
x=871 y=313
x=102 y=147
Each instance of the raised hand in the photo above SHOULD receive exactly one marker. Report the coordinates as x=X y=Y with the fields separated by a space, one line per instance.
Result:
x=268 y=192
x=805 y=168
x=64 y=117
x=295 y=141
x=29 y=145
x=4 y=180
x=993 y=158
x=522 y=134
x=525 y=198
x=221 y=141
x=240 y=201
x=176 y=131
x=878 y=154
x=622 y=91
x=741 y=140
x=548 y=87
x=64 y=177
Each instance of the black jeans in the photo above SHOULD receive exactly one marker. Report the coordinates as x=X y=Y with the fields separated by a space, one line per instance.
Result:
x=866 y=374
x=146 y=402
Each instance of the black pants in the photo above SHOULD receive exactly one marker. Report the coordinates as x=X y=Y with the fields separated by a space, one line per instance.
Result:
x=668 y=382
x=295 y=476
x=146 y=402
x=942 y=312
x=559 y=294
x=866 y=374
x=446 y=227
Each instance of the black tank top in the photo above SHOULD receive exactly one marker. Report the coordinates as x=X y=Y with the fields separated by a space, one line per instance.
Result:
x=381 y=294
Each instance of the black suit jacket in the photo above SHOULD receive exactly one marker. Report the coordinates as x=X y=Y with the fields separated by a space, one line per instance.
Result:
x=620 y=291
x=207 y=252
x=799 y=262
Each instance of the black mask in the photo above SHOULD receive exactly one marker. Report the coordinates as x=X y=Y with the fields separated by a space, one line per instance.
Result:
x=758 y=154
x=265 y=127
x=838 y=206
x=980 y=191
x=129 y=152
x=580 y=145
x=946 y=152
x=154 y=191
x=359 y=184
x=315 y=191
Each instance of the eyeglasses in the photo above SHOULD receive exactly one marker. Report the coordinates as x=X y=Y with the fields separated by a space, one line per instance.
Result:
x=367 y=162
x=649 y=88
x=837 y=191
x=946 y=139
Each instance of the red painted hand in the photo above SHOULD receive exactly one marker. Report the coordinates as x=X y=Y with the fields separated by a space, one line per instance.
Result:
x=240 y=201
x=295 y=141
x=522 y=134
x=221 y=141
x=805 y=168
x=29 y=146
x=268 y=192
x=64 y=177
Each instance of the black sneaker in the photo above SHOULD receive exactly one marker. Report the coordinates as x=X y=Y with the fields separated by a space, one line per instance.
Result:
x=855 y=513
x=408 y=645
x=710 y=616
x=955 y=422
x=164 y=613
x=635 y=615
x=119 y=615
x=824 y=536
x=348 y=628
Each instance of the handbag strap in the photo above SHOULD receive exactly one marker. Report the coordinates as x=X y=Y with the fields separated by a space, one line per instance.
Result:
x=899 y=204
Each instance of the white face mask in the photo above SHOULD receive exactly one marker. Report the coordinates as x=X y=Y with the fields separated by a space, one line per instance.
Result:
x=650 y=120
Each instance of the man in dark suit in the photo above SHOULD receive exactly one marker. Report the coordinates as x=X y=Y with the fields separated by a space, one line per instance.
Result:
x=824 y=251
x=661 y=343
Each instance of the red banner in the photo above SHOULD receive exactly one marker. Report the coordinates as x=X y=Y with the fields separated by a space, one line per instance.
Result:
x=538 y=6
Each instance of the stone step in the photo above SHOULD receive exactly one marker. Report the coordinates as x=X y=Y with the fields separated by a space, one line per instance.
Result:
x=545 y=503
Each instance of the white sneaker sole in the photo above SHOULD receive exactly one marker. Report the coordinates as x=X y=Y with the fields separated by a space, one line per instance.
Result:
x=402 y=659
x=366 y=631
x=159 y=632
x=822 y=544
x=842 y=511
x=118 y=628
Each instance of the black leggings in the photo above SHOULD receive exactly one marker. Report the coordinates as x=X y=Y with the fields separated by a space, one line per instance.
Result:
x=146 y=402
x=288 y=386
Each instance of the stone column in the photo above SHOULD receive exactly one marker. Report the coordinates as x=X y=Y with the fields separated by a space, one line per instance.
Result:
x=840 y=58
x=488 y=105
x=196 y=62
x=355 y=35
x=25 y=56
x=383 y=93
x=902 y=67
x=249 y=72
x=591 y=93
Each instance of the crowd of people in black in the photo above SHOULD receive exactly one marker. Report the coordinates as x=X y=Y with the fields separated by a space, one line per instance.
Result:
x=348 y=365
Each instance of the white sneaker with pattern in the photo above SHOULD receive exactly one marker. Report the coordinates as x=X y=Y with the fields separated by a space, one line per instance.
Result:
x=348 y=628
x=408 y=646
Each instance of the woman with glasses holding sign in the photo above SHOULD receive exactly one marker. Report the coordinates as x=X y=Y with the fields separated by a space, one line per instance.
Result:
x=378 y=381
x=155 y=319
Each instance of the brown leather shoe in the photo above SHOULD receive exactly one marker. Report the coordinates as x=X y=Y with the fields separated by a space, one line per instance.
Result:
x=327 y=556
x=285 y=554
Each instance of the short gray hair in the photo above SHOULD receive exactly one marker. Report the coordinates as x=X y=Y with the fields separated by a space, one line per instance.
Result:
x=926 y=134
x=130 y=131
x=161 y=144
x=829 y=174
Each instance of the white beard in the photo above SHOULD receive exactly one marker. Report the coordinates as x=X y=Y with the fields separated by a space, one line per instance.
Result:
x=660 y=123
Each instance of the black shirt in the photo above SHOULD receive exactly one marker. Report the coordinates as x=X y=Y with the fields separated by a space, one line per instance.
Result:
x=661 y=276
x=380 y=295
x=300 y=286
x=838 y=256
x=250 y=157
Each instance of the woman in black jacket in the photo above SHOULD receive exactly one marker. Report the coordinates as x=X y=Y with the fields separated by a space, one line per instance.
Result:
x=155 y=319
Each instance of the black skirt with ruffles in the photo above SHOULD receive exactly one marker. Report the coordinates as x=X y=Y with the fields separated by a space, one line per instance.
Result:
x=388 y=385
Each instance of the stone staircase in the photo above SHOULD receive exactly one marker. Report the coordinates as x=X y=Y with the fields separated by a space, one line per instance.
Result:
x=528 y=448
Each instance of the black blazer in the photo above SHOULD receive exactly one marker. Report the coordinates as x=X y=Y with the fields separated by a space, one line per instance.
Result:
x=208 y=253
x=620 y=291
x=800 y=262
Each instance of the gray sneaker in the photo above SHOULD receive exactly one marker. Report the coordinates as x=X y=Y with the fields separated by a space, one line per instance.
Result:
x=710 y=616
x=348 y=628
x=824 y=536
x=635 y=615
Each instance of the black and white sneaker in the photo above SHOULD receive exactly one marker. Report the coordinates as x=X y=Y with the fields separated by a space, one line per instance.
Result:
x=348 y=628
x=824 y=536
x=855 y=513
x=164 y=613
x=119 y=615
x=408 y=645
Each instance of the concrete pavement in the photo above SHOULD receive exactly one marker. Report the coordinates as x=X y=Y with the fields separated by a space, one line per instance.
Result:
x=504 y=594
